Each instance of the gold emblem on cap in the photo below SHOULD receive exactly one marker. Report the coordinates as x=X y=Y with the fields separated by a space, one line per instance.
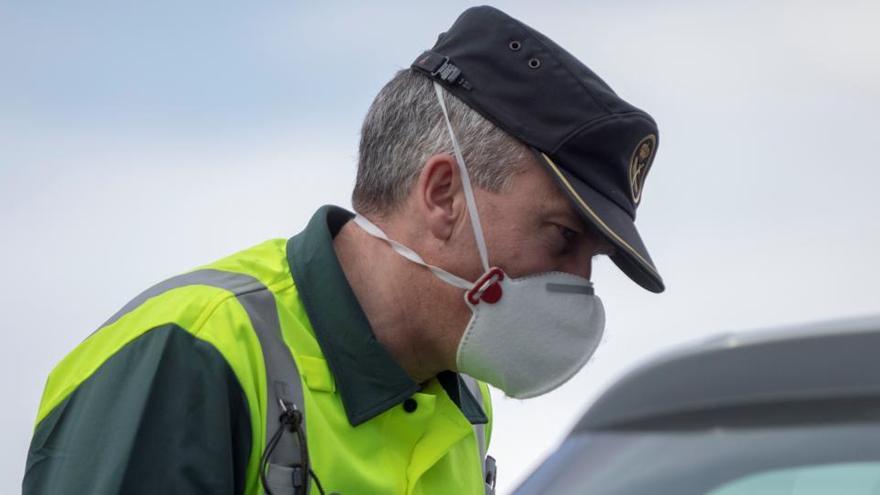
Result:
x=639 y=164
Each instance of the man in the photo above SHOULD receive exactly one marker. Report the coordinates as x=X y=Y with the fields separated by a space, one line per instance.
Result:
x=344 y=359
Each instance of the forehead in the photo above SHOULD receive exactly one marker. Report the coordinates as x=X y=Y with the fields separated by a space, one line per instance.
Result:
x=538 y=192
x=535 y=186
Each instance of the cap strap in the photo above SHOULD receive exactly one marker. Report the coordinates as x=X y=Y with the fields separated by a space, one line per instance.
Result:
x=466 y=185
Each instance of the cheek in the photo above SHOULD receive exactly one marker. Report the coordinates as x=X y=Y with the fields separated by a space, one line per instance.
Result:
x=523 y=253
x=505 y=245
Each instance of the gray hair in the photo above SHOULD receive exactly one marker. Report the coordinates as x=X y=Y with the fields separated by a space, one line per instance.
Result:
x=405 y=126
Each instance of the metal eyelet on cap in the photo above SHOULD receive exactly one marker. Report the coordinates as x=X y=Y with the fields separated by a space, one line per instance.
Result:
x=514 y=45
x=534 y=63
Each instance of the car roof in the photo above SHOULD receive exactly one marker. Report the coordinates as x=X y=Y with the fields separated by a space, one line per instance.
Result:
x=823 y=361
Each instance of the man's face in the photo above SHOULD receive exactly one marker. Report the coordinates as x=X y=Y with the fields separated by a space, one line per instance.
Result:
x=532 y=227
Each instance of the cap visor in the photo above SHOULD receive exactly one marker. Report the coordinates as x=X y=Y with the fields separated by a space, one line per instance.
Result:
x=612 y=221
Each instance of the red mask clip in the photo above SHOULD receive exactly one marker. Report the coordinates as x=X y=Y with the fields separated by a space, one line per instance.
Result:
x=487 y=288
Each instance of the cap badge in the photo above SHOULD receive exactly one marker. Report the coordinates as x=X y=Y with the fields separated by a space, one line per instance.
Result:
x=639 y=165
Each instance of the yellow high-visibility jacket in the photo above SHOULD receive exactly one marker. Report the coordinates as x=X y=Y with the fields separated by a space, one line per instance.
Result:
x=181 y=390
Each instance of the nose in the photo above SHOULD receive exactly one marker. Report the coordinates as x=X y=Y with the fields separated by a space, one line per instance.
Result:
x=581 y=265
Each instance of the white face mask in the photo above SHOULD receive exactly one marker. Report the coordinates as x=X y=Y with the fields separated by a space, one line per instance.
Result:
x=527 y=335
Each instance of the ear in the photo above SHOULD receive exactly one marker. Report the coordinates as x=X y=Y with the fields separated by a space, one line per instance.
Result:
x=439 y=195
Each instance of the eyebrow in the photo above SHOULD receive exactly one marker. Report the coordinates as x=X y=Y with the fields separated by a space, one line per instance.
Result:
x=567 y=210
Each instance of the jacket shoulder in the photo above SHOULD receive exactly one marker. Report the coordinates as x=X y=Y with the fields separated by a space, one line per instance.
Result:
x=164 y=398
x=266 y=262
x=202 y=302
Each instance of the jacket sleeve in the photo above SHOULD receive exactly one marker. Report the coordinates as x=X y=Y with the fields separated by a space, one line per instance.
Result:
x=165 y=414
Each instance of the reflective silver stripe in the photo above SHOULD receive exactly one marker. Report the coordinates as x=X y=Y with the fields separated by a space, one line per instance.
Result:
x=479 y=430
x=570 y=288
x=232 y=282
x=282 y=377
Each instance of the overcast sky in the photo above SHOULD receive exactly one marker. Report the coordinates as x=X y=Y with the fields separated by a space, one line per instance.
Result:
x=141 y=139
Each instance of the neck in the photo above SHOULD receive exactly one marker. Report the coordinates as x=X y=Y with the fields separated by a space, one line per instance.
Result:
x=395 y=296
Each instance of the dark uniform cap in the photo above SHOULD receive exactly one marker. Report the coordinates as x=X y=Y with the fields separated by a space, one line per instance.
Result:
x=597 y=146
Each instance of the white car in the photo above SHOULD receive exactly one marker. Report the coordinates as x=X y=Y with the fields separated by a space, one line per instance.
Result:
x=794 y=411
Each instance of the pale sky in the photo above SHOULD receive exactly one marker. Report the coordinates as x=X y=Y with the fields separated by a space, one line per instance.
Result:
x=140 y=140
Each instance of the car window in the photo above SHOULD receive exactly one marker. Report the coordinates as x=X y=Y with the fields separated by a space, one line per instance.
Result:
x=840 y=479
x=803 y=459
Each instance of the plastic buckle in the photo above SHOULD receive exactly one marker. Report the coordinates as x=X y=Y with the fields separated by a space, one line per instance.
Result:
x=297 y=476
x=447 y=71
x=491 y=474
x=439 y=67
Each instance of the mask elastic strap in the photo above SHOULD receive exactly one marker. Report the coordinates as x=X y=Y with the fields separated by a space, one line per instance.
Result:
x=374 y=230
x=466 y=185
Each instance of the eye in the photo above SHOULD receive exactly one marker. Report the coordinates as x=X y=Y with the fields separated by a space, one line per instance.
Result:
x=567 y=233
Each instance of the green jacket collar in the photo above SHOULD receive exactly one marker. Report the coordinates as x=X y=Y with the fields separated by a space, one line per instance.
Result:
x=368 y=379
